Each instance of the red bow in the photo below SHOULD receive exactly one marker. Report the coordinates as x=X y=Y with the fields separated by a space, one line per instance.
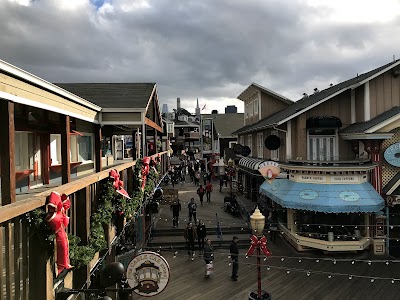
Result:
x=262 y=243
x=118 y=184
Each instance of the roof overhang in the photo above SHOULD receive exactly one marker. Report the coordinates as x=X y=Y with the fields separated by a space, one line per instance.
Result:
x=366 y=136
x=254 y=88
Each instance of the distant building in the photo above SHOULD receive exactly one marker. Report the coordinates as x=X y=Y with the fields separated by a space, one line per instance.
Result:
x=231 y=109
x=164 y=109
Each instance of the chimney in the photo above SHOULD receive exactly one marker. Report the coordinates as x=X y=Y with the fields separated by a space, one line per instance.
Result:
x=178 y=103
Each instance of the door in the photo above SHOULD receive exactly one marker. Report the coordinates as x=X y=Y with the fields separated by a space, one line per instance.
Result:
x=321 y=148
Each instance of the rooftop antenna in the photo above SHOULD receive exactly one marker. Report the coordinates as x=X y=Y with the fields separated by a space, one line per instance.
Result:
x=394 y=57
x=331 y=84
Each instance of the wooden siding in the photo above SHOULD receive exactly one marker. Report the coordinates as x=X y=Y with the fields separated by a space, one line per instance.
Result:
x=122 y=116
x=384 y=93
x=359 y=97
x=25 y=90
x=299 y=137
x=252 y=118
x=271 y=105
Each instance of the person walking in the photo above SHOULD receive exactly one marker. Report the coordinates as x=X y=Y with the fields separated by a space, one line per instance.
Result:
x=221 y=182
x=201 y=235
x=209 y=258
x=209 y=176
x=234 y=250
x=192 y=206
x=201 y=191
x=208 y=191
x=190 y=236
x=204 y=178
x=273 y=225
x=196 y=178
x=176 y=208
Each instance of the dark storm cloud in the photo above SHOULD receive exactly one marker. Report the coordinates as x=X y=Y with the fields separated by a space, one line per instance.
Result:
x=206 y=49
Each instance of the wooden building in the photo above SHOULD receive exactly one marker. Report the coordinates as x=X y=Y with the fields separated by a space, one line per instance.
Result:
x=330 y=144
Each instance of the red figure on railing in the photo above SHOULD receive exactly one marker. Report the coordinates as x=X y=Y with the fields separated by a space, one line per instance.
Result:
x=118 y=184
x=58 y=222
x=145 y=170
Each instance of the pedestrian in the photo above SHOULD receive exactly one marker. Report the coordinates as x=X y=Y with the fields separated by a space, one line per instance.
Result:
x=201 y=191
x=221 y=182
x=208 y=191
x=204 y=178
x=196 y=178
x=209 y=258
x=192 y=206
x=209 y=176
x=201 y=235
x=176 y=208
x=234 y=250
x=190 y=236
x=273 y=225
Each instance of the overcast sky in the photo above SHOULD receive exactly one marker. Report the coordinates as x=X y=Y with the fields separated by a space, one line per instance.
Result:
x=206 y=49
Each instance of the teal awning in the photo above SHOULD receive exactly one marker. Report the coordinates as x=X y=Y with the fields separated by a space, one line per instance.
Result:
x=330 y=198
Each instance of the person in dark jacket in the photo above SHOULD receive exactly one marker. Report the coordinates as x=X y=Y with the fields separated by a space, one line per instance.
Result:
x=192 y=207
x=234 y=250
x=190 y=236
x=176 y=208
x=201 y=191
x=201 y=235
x=273 y=225
x=208 y=254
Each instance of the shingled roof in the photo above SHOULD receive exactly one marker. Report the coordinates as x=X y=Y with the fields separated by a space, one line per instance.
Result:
x=364 y=126
x=313 y=100
x=112 y=95
x=225 y=124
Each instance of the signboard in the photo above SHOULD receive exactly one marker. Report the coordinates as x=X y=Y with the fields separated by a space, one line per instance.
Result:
x=311 y=178
x=269 y=170
x=392 y=155
x=345 y=179
x=148 y=274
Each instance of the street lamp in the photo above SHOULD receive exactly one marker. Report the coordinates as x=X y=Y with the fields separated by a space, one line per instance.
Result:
x=259 y=241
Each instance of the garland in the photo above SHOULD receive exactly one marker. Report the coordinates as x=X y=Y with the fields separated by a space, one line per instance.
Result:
x=110 y=206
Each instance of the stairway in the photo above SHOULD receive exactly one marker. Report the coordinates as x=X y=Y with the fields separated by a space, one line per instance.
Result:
x=173 y=238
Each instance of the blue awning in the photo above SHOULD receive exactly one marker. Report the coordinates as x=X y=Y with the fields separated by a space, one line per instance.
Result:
x=330 y=198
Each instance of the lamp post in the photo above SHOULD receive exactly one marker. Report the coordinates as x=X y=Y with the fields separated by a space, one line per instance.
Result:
x=259 y=242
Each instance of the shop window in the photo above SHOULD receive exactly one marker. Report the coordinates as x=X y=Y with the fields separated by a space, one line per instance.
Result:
x=275 y=153
x=55 y=149
x=85 y=148
x=24 y=150
x=260 y=148
x=322 y=144
x=256 y=106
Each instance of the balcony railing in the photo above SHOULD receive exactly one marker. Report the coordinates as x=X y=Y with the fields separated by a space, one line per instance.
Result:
x=25 y=268
x=192 y=135
x=332 y=160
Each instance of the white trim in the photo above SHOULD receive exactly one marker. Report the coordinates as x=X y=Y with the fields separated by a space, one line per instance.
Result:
x=383 y=124
x=268 y=91
x=367 y=103
x=289 y=139
x=375 y=75
x=393 y=188
x=45 y=84
x=123 y=110
x=353 y=106
x=25 y=101
x=151 y=96
x=364 y=136
x=259 y=105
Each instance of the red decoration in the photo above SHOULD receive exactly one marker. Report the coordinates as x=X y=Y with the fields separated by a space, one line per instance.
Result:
x=58 y=221
x=145 y=170
x=118 y=184
x=262 y=243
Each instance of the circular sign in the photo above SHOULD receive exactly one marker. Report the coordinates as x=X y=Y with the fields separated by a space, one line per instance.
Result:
x=246 y=151
x=308 y=194
x=237 y=149
x=349 y=196
x=272 y=142
x=392 y=154
x=148 y=274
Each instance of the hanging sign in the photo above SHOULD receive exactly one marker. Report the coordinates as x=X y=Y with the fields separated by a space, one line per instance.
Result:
x=269 y=170
x=148 y=274
x=392 y=155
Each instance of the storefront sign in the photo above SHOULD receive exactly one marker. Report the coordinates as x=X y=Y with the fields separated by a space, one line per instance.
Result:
x=392 y=154
x=344 y=179
x=311 y=178
x=269 y=170
x=148 y=274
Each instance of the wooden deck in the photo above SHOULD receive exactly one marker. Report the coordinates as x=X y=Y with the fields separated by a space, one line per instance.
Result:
x=188 y=282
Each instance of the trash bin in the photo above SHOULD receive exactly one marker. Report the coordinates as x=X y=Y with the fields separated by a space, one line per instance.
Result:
x=330 y=236
x=264 y=296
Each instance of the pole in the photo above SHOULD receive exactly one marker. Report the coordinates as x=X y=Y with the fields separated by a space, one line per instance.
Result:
x=387 y=230
x=259 y=271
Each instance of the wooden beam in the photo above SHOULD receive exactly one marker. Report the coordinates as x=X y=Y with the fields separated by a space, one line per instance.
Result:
x=152 y=124
x=7 y=152
x=83 y=214
x=97 y=147
x=65 y=151
x=129 y=183
x=16 y=209
x=45 y=147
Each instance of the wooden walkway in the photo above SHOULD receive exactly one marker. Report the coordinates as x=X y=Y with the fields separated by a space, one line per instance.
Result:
x=310 y=275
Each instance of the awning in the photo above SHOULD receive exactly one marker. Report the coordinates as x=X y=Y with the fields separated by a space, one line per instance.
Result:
x=250 y=164
x=330 y=198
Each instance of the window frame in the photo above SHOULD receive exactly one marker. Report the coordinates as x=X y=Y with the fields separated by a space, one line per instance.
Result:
x=275 y=153
x=260 y=148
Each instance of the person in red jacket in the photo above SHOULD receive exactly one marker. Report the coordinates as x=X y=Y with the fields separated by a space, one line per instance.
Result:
x=209 y=189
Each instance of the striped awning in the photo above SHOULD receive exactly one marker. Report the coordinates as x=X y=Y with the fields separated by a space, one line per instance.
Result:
x=251 y=164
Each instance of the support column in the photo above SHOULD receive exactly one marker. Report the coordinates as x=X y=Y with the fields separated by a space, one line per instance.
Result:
x=144 y=147
x=97 y=148
x=373 y=147
x=7 y=152
x=129 y=184
x=45 y=148
x=65 y=150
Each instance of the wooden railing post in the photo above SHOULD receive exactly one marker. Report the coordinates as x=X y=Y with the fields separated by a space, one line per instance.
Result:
x=129 y=184
x=7 y=152
x=65 y=150
x=82 y=274
x=97 y=147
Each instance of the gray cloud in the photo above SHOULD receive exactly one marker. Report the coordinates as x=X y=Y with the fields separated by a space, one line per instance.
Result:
x=207 y=49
